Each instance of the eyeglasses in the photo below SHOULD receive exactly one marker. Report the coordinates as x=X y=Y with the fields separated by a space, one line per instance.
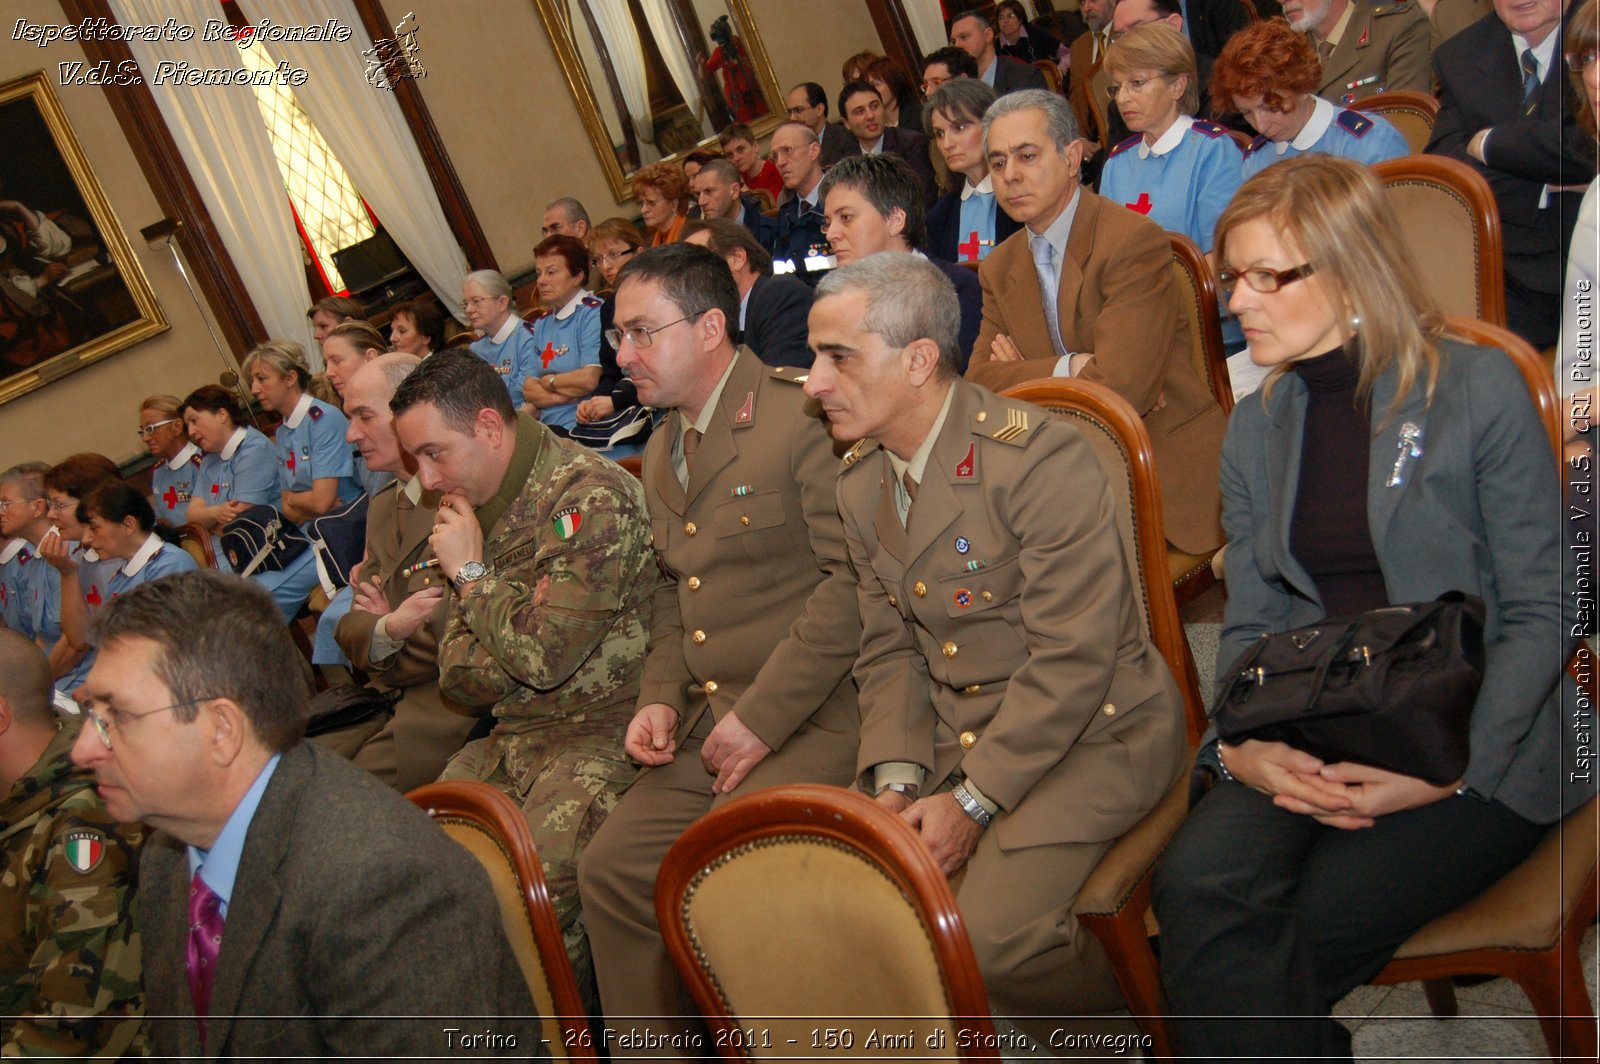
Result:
x=1133 y=85
x=468 y=304
x=1581 y=61
x=796 y=112
x=146 y=431
x=641 y=338
x=102 y=728
x=58 y=505
x=611 y=256
x=1261 y=280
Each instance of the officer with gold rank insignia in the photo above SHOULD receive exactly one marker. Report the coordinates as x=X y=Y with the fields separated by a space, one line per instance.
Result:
x=1013 y=711
x=747 y=680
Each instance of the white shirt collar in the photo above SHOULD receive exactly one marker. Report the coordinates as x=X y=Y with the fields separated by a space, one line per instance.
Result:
x=141 y=557
x=1322 y=115
x=298 y=414
x=507 y=327
x=182 y=458
x=570 y=308
x=744 y=306
x=413 y=490
x=1168 y=140
x=12 y=549
x=1544 y=53
x=1337 y=33
x=877 y=147
x=232 y=446
x=982 y=188
x=988 y=73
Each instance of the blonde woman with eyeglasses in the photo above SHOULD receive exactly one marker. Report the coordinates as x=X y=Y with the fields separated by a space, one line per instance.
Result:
x=177 y=459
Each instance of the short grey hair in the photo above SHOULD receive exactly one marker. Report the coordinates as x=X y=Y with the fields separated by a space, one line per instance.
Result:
x=28 y=477
x=807 y=134
x=723 y=171
x=1059 y=123
x=908 y=299
x=395 y=367
x=492 y=281
x=571 y=208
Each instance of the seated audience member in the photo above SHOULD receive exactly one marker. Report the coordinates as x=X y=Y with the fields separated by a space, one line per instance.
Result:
x=345 y=350
x=1366 y=46
x=1450 y=17
x=695 y=160
x=1576 y=365
x=262 y=936
x=26 y=580
x=566 y=217
x=1207 y=24
x=1029 y=44
x=942 y=64
x=392 y=630
x=1517 y=127
x=862 y=109
x=719 y=191
x=119 y=525
x=1088 y=51
x=760 y=694
x=902 y=107
x=855 y=68
x=552 y=638
x=506 y=341
x=11 y=549
x=1087 y=291
x=70 y=964
x=663 y=197
x=614 y=243
x=992 y=732
x=238 y=468
x=798 y=237
x=177 y=459
x=808 y=105
x=316 y=473
x=964 y=226
x=417 y=328
x=83 y=574
x=1295 y=879
x=871 y=205
x=772 y=310
x=739 y=148
x=974 y=34
x=330 y=311
x=1268 y=74
x=563 y=363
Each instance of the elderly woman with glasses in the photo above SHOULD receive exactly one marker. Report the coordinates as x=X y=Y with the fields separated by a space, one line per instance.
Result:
x=1269 y=74
x=1382 y=463
x=84 y=576
x=612 y=245
x=177 y=459
x=505 y=340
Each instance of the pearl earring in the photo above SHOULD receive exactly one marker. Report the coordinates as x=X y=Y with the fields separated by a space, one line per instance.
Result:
x=1355 y=322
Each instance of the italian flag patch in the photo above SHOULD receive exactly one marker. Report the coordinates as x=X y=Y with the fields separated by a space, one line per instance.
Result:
x=567 y=522
x=84 y=850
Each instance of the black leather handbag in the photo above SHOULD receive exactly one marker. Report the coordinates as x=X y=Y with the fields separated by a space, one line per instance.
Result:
x=1391 y=687
x=261 y=540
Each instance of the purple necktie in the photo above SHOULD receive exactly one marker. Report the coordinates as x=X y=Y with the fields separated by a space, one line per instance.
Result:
x=205 y=942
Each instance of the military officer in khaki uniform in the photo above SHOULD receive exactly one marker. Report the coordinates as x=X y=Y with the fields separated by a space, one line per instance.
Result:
x=547 y=548
x=1366 y=46
x=392 y=631
x=747 y=682
x=1013 y=710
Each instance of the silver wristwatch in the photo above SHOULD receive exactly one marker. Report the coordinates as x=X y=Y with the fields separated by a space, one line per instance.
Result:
x=469 y=572
x=970 y=806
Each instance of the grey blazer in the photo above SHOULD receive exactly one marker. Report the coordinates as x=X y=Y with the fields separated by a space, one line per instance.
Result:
x=1478 y=511
x=350 y=907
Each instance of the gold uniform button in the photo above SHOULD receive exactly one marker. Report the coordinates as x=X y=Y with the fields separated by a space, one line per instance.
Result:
x=699 y=637
x=988 y=597
x=894 y=602
x=711 y=687
x=919 y=589
x=968 y=740
x=983 y=415
x=1109 y=709
x=949 y=650
x=689 y=529
x=743 y=520
x=694 y=583
x=974 y=689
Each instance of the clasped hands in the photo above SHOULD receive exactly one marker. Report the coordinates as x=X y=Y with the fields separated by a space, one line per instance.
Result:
x=939 y=821
x=729 y=752
x=1341 y=795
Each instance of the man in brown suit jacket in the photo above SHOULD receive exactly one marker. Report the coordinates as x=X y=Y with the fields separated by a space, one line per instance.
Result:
x=747 y=676
x=1087 y=50
x=1118 y=310
x=1013 y=710
x=392 y=631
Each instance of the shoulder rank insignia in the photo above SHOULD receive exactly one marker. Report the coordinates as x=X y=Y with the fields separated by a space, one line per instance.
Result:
x=1208 y=129
x=196 y=460
x=1015 y=427
x=84 y=850
x=1125 y=145
x=316 y=412
x=593 y=301
x=853 y=455
x=1354 y=123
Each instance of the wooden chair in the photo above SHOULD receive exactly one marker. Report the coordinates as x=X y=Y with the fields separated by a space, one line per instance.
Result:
x=764 y=200
x=1412 y=113
x=1051 y=72
x=197 y=542
x=634 y=464
x=493 y=830
x=1448 y=217
x=1094 y=92
x=855 y=919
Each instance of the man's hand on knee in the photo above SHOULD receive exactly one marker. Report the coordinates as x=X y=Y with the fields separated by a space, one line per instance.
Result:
x=945 y=829
x=649 y=738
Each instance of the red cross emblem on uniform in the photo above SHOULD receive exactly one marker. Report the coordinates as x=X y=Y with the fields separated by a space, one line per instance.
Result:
x=289 y=461
x=1142 y=205
x=170 y=497
x=93 y=597
x=548 y=355
x=216 y=489
x=969 y=250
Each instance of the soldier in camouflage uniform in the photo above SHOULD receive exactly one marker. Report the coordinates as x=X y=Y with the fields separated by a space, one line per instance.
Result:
x=547 y=548
x=68 y=945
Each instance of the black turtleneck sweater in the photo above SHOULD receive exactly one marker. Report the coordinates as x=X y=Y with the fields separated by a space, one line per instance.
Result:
x=1329 y=533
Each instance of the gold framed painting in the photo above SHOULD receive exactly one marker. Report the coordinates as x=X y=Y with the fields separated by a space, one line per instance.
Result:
x=71 y=291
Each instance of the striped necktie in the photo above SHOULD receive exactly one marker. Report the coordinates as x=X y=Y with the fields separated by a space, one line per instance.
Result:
x=1530 y=81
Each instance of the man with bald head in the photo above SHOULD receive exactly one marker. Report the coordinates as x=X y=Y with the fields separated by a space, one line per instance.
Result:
x=797 y=154
x=392 y=630
x=69 y=956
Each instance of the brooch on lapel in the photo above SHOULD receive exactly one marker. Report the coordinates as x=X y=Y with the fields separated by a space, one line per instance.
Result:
x=1410 y=451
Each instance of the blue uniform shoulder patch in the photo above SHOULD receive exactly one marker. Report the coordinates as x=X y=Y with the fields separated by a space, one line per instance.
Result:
x=1125 y=145
x=1354 y=123
x=196 y=460
x=593 y=301
x=1208 y=129
x=1260 y=142
x=316 y=413
x=528 y=324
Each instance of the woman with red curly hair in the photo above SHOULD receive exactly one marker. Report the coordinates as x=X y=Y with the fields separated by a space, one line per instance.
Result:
x=663 y=196
x=1268 y=73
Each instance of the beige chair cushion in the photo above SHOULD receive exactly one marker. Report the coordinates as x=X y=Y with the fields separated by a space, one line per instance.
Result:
x=1438 y=225
x=1415 y=126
